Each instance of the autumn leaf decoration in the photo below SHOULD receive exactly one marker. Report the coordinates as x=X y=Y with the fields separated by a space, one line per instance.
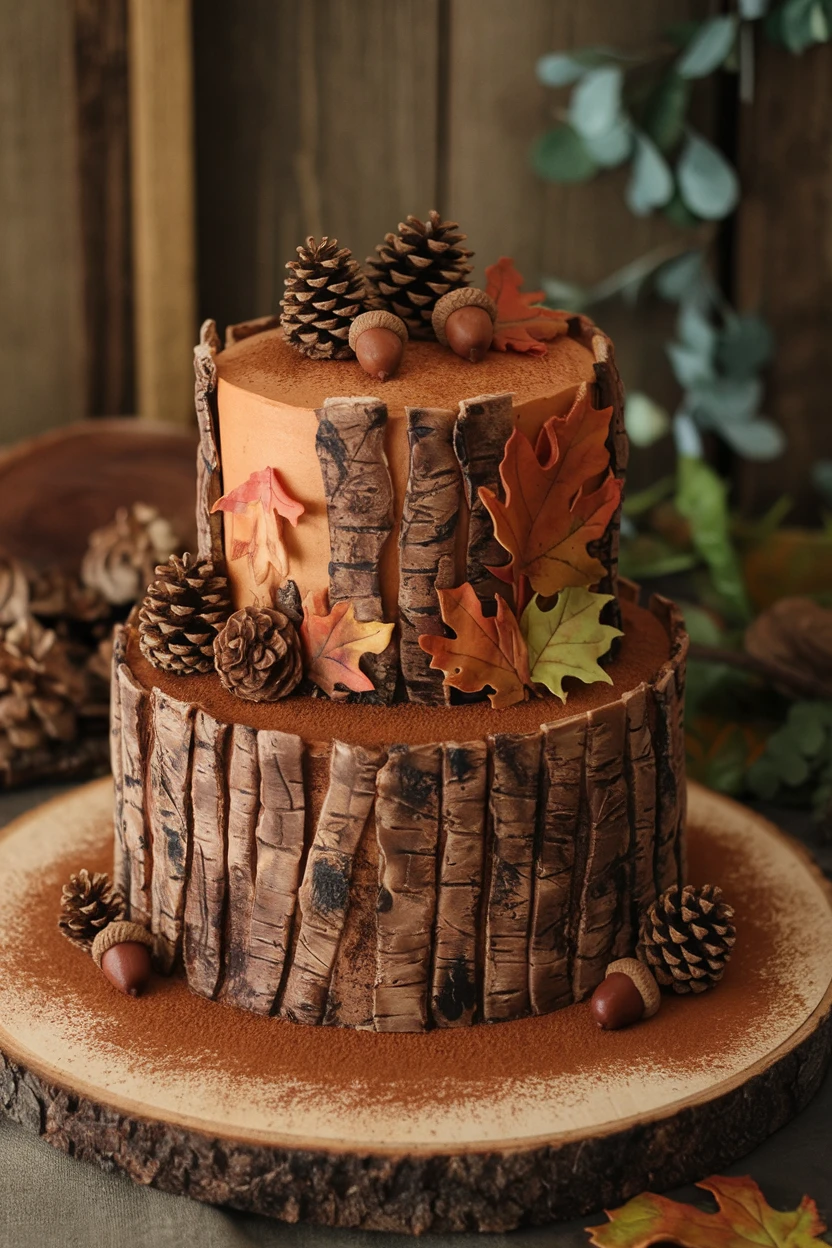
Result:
x=486 y=652
x=257 y=509
x=333 y=643
x=522 y=324
x=559 y=496
x=744 y=1219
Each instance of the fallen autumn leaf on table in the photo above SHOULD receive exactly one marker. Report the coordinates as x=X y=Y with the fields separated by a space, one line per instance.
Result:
x=549 y=516
x=334 y=641
x=486 y=650
x=744 y=1220
x=568 y=640
x=522 y=324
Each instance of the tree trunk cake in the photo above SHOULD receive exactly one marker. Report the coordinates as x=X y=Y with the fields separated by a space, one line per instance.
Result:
x=399 y=759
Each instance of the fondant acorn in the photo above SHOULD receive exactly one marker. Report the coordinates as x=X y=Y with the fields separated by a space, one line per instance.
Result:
x=464 y=321
x=627 y=994
x=122 y=951
x=378 y=339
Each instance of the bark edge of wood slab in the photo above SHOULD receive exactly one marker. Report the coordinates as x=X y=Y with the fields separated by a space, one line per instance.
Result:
x=493 y=1185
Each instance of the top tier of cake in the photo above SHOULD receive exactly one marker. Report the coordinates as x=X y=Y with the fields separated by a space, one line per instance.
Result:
x=269 y=397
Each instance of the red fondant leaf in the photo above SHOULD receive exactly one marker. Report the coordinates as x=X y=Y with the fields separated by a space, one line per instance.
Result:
x=266 y=488
x=522 y=324
x=553 y=506
x=744 y=1220
x=485 y=651
x=256 y=511
x=334 y=641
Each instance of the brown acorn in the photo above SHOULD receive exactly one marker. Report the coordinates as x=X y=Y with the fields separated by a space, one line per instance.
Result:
x=122 y=952
x=378 y=339
x=464 y=321
x=625 y=996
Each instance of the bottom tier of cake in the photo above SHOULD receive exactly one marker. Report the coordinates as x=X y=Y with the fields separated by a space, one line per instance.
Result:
x=399 y=868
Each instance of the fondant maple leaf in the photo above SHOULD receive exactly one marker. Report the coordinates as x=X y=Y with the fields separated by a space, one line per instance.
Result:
x=522 y=324
x=256 y=510
x=568 y=640
x=550 y=513
x=334 y=641
x=744 y=1220
x=486 y=651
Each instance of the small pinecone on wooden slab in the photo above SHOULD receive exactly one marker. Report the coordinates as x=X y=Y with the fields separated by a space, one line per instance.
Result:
x=179 y=618
x=324 y=293
x=687 y=937
x=89 y=903
x=414 y=268
x=258 y=654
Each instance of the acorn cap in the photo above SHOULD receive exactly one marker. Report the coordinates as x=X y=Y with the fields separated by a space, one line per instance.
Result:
x=377 y=319
x=464 y=297
x=647 y=987
x=119 y=934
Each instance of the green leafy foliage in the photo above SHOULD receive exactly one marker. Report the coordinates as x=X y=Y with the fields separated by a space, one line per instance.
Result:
x=708 y=184
x=701 y=497
x=560 y=155
x=796 y=763
x=709 y=48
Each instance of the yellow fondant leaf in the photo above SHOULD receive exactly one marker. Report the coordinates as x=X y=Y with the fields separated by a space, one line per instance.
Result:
x=567 y=640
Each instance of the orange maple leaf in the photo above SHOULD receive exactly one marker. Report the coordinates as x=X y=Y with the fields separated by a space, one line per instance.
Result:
x=522 y=324
x=744 y=1219
x=256 y=510
x=486 y=651
x=334 y=641
x=550 y=512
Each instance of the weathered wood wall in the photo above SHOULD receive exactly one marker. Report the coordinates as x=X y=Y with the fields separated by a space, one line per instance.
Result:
x=344 y=115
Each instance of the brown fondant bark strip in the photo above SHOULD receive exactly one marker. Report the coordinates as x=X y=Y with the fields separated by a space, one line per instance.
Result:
x=243 y=809
x=483 y=427
x=359 y=504
x=427 y=542
x=462 y=845
x=208 y=475
x=407 y=827
x=136 y=831
x=170 y=806
x=604 y=894
x=121 y=856
x=669 y=693
x=279 y=838
x=514 y=806
x=206 y=891
x=325 y=891
x=563 y=812
x=640 y=775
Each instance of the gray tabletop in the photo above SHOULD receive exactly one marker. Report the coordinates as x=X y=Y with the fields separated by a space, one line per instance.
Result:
x=47 y=1199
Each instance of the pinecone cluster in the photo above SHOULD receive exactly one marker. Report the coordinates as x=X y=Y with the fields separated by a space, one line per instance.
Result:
x=185 y=606
x=258 y=654
x=89 y=903
x=324 y=293
x=687 y=937
x=122 y=555
x=40 y=691
x=414 y=268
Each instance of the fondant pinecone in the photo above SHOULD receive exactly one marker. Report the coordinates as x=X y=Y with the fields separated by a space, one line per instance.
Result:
x=687 y=937
x=324 y=293
x=183 y=609
x=40 y=689
x=258 y=654
x=89 y=903
x=121 y=556
x=414 y=268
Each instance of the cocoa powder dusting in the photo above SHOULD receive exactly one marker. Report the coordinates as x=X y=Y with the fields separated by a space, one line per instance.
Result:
x=172 y=1028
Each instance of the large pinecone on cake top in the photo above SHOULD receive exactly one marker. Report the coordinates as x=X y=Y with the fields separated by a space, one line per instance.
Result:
x=258 y=654
x=89 y=903
x=687 y=937
x=183 y=609
x=121 y=556
x=414 y=268
x=40 y=691
x=324 y=294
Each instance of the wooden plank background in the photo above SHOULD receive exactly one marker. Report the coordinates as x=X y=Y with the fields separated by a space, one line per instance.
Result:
x=344 y=115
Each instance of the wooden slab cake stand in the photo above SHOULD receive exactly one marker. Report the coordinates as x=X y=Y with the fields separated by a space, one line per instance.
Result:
x=484 y=1128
